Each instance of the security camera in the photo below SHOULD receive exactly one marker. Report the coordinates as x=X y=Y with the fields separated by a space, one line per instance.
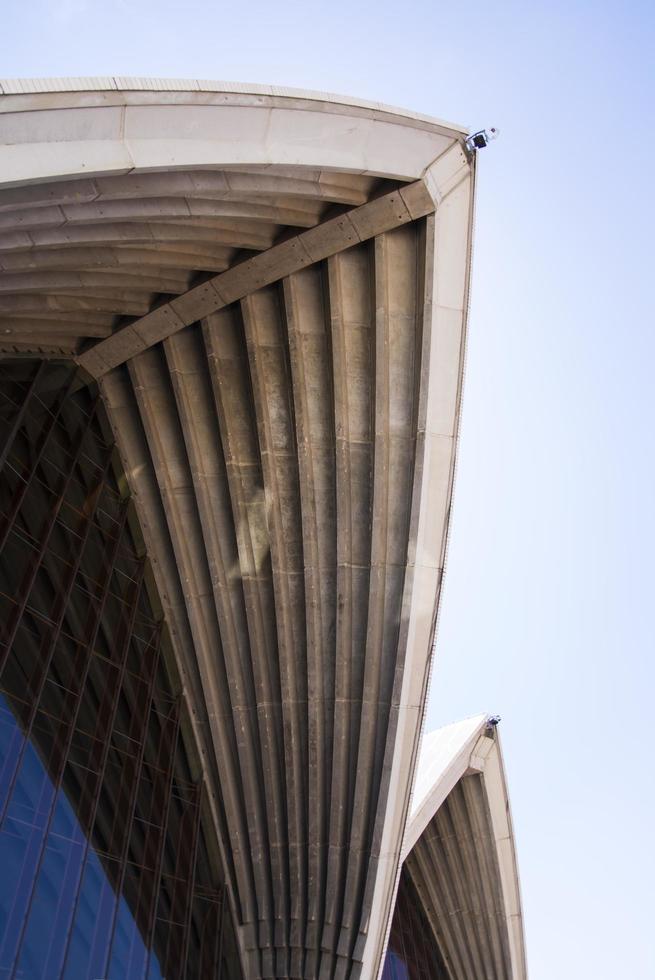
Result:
x=478 y=141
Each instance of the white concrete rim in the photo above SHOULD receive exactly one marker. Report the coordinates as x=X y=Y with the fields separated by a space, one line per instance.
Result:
x=458 y=766
x=115 y=83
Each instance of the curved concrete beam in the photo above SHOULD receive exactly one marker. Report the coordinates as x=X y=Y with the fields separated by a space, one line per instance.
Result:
x=114 y=126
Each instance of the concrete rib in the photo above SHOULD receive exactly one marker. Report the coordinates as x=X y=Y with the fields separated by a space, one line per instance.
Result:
x=395 y=356
x=266 y=342
x=475 y=881
x=448 y=853
x=482 y=843
x=224 y=233
x=187 y=364
x=352 y=316
x=155 y=402
x=124 y=418
x=231 y=385
x=108 y=258
x=309 y=344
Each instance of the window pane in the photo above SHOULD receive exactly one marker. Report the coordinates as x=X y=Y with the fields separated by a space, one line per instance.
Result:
x=100 y=816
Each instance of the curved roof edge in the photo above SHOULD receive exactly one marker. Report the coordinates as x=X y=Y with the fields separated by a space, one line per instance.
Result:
x=444 y=757
x=95 y=128
x=447 y=755
x=123 y=83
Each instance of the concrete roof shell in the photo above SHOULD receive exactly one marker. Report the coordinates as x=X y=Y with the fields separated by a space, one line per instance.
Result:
x=477 y=849
x=271 y=290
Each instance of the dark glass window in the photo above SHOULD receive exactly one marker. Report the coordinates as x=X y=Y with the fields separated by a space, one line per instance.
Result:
x=105 y=841
x=412 y=953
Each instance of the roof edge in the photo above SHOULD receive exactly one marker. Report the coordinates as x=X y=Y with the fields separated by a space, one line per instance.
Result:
x=121 y=83
x=460 y=740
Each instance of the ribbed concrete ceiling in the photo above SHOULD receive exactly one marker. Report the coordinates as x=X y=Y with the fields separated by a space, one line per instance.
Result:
x=271 y=293
x=459 y=853
x=76 y=256
x=454 y=867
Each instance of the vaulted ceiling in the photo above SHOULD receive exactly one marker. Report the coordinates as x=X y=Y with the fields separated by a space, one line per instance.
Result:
x=271 y=293
x=78 y=256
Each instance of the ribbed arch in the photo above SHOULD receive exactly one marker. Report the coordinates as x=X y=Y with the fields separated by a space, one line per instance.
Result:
x=454 y=867
x=271 y=293
x=282 y=435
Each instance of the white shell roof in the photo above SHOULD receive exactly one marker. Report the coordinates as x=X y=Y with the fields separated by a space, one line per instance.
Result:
x=480 y=852
x=441 y=750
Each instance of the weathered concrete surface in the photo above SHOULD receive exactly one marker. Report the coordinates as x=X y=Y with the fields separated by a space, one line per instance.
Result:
x=272 y=293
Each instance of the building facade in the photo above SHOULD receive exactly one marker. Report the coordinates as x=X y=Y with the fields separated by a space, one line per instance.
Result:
x=232 y=328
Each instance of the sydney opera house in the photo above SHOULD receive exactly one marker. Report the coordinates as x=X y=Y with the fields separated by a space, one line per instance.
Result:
x=232 y=330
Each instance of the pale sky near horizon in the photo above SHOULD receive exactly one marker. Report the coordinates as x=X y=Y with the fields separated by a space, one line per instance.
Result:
x=549 y=598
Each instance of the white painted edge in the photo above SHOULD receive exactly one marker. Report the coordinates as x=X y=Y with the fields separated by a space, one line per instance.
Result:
x=466 y=738
x=495 y=785
x=446 y=308
x=42 y=139
x=117 y=83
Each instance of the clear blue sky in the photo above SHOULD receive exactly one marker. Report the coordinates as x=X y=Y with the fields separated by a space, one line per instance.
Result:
x=547 y=615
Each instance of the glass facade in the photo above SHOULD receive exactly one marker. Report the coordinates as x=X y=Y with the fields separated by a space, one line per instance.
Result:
x=108 y=862
x=412 y=953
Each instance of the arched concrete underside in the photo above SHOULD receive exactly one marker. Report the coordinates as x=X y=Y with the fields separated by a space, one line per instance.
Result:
x=459 y=852
x=271 y=293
